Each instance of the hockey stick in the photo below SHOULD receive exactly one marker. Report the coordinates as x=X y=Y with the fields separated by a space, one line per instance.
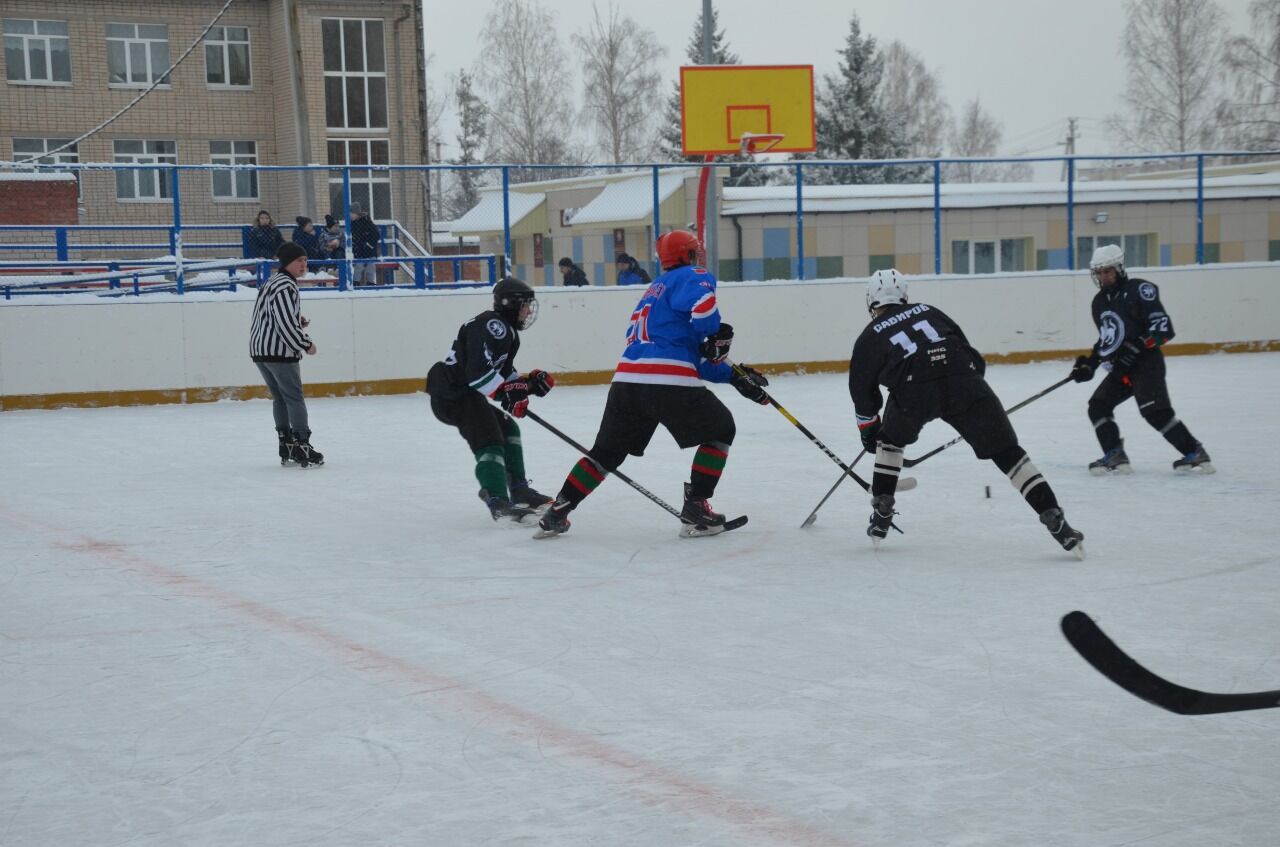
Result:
x=1116 y=665
x=905 y=484
x=911 y=463
x=813 y=516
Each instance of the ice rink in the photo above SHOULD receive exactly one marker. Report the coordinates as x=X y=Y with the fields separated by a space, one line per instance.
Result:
x=198 y=647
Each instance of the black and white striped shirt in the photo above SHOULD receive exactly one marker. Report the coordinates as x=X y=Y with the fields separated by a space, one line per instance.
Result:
x=276 y=334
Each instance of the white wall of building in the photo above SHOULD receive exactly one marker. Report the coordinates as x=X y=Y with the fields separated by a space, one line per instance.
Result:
x=376 y=341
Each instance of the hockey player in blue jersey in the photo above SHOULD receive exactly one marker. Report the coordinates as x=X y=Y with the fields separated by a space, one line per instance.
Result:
x=674 y=342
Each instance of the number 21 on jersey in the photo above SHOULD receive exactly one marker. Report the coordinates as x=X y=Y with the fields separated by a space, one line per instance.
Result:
x=638 y=330
x=904 y=341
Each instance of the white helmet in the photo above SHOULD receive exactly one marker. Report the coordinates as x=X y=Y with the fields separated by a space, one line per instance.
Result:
x=885 y=288
x=1107 y=256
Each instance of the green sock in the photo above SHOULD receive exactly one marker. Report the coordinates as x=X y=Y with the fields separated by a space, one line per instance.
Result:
x=491 y=470
x=513 y=450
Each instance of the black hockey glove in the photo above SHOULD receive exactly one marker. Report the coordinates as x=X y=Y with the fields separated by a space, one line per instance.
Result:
x=1084 y=368
x=540 y=382
x=1126 y=358
x=869 y=432
x=750 y=383
x=514 y=396
x=715 y=347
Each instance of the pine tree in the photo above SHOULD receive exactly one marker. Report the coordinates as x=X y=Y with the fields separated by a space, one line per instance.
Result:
x=465 y=191
x=850 y=122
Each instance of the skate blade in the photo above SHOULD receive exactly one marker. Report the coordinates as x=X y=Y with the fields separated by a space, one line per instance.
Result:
x=541 y=533
x=1122 y=469
x=1078 y=551
x=1202 y=468
x=692 y=531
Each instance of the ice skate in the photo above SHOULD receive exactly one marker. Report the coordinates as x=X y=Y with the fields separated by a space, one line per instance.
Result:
x=286 y=447
x=1197 y=461
x=881 y=518
x=1113 y=461
x=502 y=509
x=697 y=519
x=523 y=494
x=303 y=453
x=555 y=521
x=1072 y=540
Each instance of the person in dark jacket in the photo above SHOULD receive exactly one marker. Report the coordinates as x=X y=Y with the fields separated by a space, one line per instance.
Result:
x=264 y=238
x=630 y=272
x=277 y=340
x=573 y=274
x=365 y=244
x=306 y=237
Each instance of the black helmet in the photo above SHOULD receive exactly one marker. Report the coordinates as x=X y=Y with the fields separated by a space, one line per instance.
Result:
x=509 y=295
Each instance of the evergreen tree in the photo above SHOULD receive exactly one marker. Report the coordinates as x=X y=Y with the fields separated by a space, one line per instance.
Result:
x=850 y=121
x=465 y=191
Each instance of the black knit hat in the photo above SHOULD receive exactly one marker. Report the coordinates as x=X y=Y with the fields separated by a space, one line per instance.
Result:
x=289 y=253
x=566 y=262
x=302 y=220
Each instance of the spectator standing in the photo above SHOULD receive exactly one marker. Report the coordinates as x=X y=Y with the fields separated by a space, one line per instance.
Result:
x=630 y=272
x=277 y=339
x=264 y=238
x=573 y=274
x=365 y=240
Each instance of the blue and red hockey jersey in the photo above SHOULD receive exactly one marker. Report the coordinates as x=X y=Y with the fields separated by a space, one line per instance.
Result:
x=676 y=313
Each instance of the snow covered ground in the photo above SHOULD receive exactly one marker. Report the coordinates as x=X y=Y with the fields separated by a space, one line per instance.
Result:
x=198 y=647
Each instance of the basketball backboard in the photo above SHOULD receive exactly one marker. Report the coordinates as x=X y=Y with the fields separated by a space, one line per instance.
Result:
x=721 y=103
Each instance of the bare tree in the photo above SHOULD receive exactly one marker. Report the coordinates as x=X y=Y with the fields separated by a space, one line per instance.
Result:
x=622 y=82
x=978 y=135
x=472 y=116
x=524 y=68
x=911 y=101
x=1250 y=116
x=1174 y=50
x=436 y=104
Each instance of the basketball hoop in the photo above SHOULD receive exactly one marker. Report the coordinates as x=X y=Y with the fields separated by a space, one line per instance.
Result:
x=759 y=142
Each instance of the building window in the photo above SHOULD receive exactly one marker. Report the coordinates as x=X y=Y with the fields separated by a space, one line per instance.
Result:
x=144 y=183
x=226 y=57
x=37 y=149
x=137 y=54
x=988 y=257
x=1136 y=248
x=371 y=189
x=37 y=52
x=234 y=185
x=355 y=74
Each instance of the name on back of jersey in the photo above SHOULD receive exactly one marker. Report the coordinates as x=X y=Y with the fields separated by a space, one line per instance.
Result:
x=918 y=309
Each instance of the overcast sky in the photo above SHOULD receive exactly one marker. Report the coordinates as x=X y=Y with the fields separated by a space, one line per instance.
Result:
x=1033 y=63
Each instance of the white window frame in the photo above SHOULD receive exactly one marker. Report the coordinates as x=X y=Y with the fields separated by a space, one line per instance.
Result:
x=233 y=156
x=995 y=243
x=70 y=156
x=361 y=175
x=150 y=155
x=220 y=41
x=47 y=38
x=136 y=40
x=1121 y=240
x=364 y=75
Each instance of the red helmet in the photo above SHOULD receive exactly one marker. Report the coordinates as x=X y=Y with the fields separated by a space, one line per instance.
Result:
x=676 y=248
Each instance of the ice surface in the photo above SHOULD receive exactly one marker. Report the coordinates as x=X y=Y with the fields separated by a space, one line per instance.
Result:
x=198 y=647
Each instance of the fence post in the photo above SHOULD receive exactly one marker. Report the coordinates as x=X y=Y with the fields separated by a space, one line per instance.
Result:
x=937 y=217
x=175 y=233
x=60 y=240
x=657 y=223
x=1071 y=214
x=1200 y=209
x=419 y=271
x=344 y=270
x=800 y=220
x=506 y=217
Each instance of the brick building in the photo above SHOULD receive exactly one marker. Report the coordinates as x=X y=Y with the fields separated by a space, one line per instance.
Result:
x=275 y=82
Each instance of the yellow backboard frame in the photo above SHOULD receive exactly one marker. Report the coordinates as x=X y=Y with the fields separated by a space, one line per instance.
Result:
x=718 y=103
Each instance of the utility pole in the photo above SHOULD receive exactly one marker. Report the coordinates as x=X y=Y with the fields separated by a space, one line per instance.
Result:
x=439 y=193
x=711 y=218
x=1069 y=146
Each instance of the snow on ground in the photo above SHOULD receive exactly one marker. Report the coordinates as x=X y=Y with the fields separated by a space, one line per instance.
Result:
x=199 y=647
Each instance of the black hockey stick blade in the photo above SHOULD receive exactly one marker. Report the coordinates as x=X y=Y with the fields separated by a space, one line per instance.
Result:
x=1116 y=665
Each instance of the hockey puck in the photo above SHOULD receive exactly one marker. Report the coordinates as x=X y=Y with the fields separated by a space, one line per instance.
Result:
x=988 y=492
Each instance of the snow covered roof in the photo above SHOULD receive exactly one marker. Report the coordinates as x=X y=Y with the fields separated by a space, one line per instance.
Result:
x=765 y=200
x=631 y=200
x=36 y=176
x=486 y=216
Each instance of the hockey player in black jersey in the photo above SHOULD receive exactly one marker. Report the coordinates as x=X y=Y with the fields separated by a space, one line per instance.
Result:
x=1132 y=327
x=930 y=370
x=480 y=364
